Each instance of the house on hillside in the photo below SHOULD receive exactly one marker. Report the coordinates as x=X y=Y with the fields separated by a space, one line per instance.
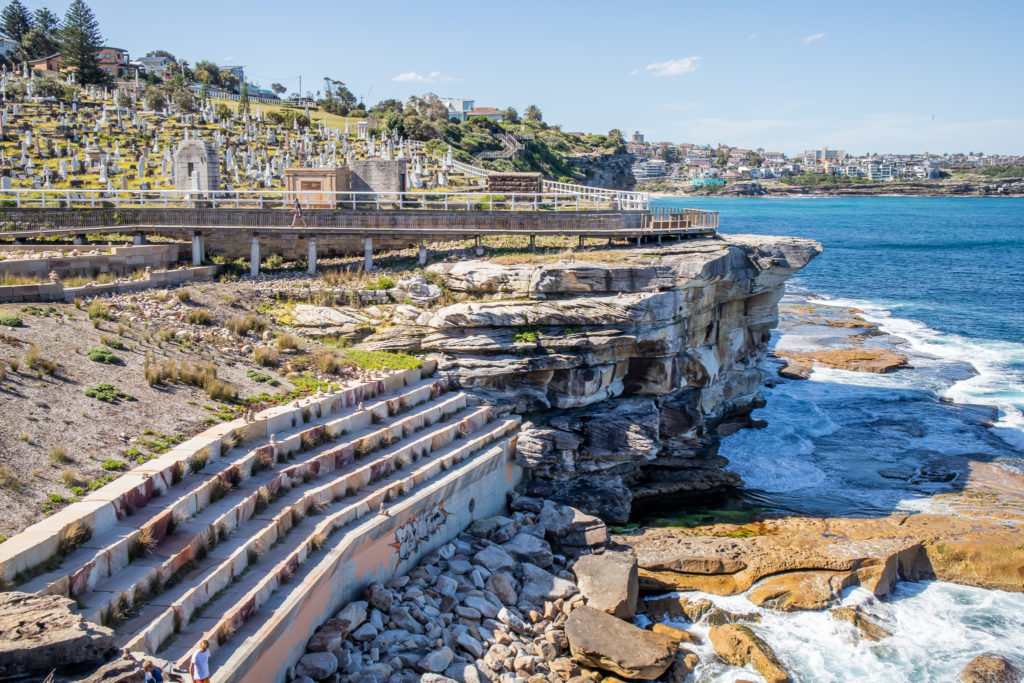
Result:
x=153 y=65
x=112 y=60
x=462 y=109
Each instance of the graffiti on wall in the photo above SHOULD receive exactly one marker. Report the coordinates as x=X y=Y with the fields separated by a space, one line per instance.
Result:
x=418 y=529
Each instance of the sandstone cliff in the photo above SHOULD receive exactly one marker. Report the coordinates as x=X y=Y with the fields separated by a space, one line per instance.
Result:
x=628 y=366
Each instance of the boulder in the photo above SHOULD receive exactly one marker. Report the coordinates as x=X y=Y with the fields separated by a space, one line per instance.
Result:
x=608 y=582
x=599 y=640
x=991 y=668
x=317 y=665
x=571 y=531
x=378 y=596
x=436 y=661
x=117 y=671
x=740 y=646
x=494 y=559
x=867 y=626
x=40 y=633
x=528 y=548
x=502 y=587
x=677 y=634
x=804 y=590
x=539 y=586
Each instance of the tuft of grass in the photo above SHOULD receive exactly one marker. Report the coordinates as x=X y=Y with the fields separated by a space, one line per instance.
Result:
x=97 y=310
x=112 y=342
x=10 y=321
x=184 y=295
x=112 y=465
x=266 y=356
x=8 y=480
x=71 y=479
x=199 y=316
x=287 y=341
x=58 y=456
x=249 y=323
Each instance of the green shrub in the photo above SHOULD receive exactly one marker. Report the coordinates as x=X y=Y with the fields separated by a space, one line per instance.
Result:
x=112 y=342
x=10 y=321
x=112 y=465
x=527 y=337
x=273 y=262
x=98 y=311
x=382 y=282
x=262 y=377
x=184 y=295
x=107 y=393
x=101 y=354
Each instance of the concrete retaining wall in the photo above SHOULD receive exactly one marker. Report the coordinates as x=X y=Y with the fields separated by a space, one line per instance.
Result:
x=474 y=490
x=120 y=260
x=55 y=291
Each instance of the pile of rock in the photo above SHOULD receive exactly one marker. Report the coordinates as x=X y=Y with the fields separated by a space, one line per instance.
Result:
x=491 y=605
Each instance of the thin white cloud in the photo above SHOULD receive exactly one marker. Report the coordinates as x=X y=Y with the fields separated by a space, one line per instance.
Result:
x=674 y=67
x=230 y=59
x=634 y=72
x=813 y=37
x=432 y=77
x=752 y=36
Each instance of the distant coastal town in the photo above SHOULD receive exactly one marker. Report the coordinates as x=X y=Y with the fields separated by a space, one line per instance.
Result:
x=693 y=168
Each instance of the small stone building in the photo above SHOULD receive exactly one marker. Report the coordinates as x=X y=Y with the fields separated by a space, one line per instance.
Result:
x=196 y=167
x=507 y=183
x=314 y=187
x=377 y=175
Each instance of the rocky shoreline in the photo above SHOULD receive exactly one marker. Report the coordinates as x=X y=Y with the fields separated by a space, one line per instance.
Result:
x=1011 y=187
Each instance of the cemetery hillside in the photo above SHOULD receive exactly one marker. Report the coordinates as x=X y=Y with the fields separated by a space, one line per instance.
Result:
x=301 y=388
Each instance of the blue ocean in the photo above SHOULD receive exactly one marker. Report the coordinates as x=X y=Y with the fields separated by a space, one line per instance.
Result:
x=943 y=278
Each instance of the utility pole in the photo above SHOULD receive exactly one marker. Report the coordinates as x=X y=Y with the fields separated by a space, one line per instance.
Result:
x=300 y=87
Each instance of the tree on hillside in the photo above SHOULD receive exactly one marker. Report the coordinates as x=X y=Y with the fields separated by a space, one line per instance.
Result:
x=35 y=45
x=154 y=98
x=243 y=99
x=754 y=159
x=337 y=99
x=15 y=21
x=162 y=53
x=45 y=20
x=511 y=115
x=278 y=89
x=385 y=106
x=207 y=72
x=80 y=39
x=533 y=113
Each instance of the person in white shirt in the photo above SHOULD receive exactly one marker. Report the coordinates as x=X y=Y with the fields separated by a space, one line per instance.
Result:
x=199 y=665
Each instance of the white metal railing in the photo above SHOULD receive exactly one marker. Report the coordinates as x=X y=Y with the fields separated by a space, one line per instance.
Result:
x=628 y=200
x=282 y=199
x=471 y=170
x=670 y=217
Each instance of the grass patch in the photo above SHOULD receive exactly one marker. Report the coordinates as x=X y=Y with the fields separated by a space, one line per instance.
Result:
x=97 y=310
x=261 y=377
x=10 y=321
x=108 y=393
x=112 y=342
x=199 y=316
x=58 y=456
x=102 y=354
x=112 y=465
x=376 y=360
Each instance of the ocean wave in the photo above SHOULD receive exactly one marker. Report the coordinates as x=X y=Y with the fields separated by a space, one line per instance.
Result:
x=999 y=364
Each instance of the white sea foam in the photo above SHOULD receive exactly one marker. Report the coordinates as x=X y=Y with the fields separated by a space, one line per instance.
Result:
x=937 y=628
x=999 y=381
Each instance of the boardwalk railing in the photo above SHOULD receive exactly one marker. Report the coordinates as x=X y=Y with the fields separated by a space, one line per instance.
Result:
x=282 y=199
x=636 y=201
x=672 y=218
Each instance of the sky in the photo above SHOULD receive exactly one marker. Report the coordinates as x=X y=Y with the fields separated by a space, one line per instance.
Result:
x=866 y=77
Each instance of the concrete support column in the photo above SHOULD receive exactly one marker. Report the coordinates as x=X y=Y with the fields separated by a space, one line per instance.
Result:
x=311 y=259
x=198 y=249
x=138 y=238
x=581 y=241
x=533 y=243
x=367 y=254
x=79 y=240
x=639 y=239
x=422 y=255
x=479 y=247
x=659 y=238
x=254 y=257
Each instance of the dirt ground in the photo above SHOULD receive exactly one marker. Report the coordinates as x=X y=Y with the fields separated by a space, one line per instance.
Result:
x=55 y=439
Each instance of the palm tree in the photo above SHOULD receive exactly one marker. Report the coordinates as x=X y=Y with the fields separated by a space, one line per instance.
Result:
x=532 y=113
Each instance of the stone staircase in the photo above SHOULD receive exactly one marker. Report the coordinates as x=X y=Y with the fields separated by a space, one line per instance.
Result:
x=229 y=534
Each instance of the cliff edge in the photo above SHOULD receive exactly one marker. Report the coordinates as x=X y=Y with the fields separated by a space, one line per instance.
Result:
x=628 y=364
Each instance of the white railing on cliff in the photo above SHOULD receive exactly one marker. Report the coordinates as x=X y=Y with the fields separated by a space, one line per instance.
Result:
x=607 y=200
x=471 y=170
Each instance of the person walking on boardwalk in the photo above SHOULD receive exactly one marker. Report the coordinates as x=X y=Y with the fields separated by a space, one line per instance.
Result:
x=199 y=665
x=297 y=214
